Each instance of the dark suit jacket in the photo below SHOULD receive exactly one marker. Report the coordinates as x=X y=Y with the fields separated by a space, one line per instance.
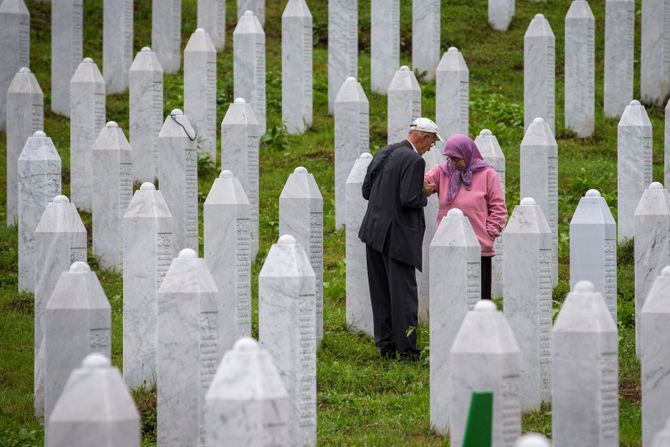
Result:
x=393 y=185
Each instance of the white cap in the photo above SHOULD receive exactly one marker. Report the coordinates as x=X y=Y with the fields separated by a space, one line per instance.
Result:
x=425 y=125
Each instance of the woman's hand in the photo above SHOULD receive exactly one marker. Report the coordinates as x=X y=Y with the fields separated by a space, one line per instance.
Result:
x=429 y=188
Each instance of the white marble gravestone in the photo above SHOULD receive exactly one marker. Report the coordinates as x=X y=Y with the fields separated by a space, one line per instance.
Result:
x=187 y=351
x=619 y=56
x=117 y=43
x=77 y=322
x=38 y=178
x=147 y=254
x=528 y=298
x=580 y=38
x=60 y=240
x=490 y=149
x=287 y=329
x=593 y=248
x=532 y=440
x=15 y=49
x=212 y=18
x=87 y=118
x=655 y=53
x=112 y=190
x=352 y=138
x=426 y=23
x=296 y=67
x=652 y=244
x=25 y=102
x=342 y=46
x=539 y=73
x=200 y=90
x=452 y=94
x=67 y=42
x=301 y=216
x=247 y=403
x=95 y=409
x=539 y=177
x=145 y=96
x=403 y=104
x=662 y=438
x=239 y=154
x=249 y=66
x=384 y=43
x=178 y=177
x=454 y=249
x=485 y=357
x=255 y=6
x=634 y=159
x=655 y=369
x=358 y=306
x=227 y=249
x=584 y=371
x=501 y=13
x=166 y=33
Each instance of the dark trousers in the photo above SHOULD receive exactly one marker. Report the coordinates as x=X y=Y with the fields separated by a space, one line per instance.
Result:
x=395 y=303
x=486 y=277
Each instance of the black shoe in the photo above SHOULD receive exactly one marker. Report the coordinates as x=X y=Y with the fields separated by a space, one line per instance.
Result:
x=387 y=353
x=408 y=358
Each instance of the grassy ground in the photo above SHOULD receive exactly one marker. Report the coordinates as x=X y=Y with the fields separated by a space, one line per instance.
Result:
x=362 y=400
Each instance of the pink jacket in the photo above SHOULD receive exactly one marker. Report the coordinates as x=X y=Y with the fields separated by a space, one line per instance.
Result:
x=483 y=205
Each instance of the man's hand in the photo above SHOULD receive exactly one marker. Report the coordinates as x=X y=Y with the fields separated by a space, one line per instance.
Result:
x=429 y=188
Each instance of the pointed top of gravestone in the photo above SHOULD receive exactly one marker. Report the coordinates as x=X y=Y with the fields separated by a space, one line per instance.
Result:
x=528 y=218
x=359 y=169
x=79 y=267
x=485 y=306
x=584 y=310
x=87 y=72
x=39 y=147
x=532 y=440
x=301 y=185
x=539 y=134
x=239 y=101
x=528 y=201
x=539 y=27
x=452 y=60
x=246 y=344
x=39 y=134
x=177 y=125
x=24 y=82
x=485 y=330
x=286 y=239
x=665 y=271
x=634 y=115
x=455 y=230
x=488 y=146
x=111 y=138
x=147 y=186
x=24 y=70
x=13 y=7
x=656 y=185
x=351 y=91
x=146 y=60
x=95 y=361
x=593 y=209
x=404 y=80
x=188 y=274
x=240 y=113
x=188 y=253
x=297 y=8
x=200 y=42
x=455 y=212
x=658 y=299
x=226 y=174
x=147 y=202
x=248 y=24
x=61 y=199
x=592 y=193
x=227 y=190
x=60 y=216
x=655 y=201
x=78 y=288
x=579 y=9
x=287 y=259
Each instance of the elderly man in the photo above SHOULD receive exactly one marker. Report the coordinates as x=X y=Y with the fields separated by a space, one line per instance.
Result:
x=392 y=231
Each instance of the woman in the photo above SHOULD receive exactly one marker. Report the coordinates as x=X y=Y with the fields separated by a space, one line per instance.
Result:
x=465 y=181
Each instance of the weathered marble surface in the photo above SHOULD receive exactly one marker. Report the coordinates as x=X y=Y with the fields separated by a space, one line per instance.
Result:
x=655 y=338
x=342 y=46
x=593 y=248
x=178 y=178
x=187 y=351
x=501 y=13
x=539 y=178
x=584 y=362
x=239 y=154
x=166 y=33
x=212 y=18
x=528 y=298
x=112 y=190
x=26 y=104
x=15 y=48
x=255 y=6
x=539 y=73
x=78 y=321
x=426 y=23
x=488 y=146
x=666 y=157
x=403 y=104
x=532 y=440
x=117 y=44
x=287 y=329
x=95 y=409
x=60 y=240
x=38 y=181
x=147 y=254
x=634 y=154
x=352 y=138
x=67 y=42
x=87 y=118
x=384 y=43
x=358 y=305
x=146 y=113
x=301 y=216
x=662 y=438
x=200 y=90
x=297 y=67
x=619 y=56
x=247 y=403
x=454 y=249
x=580 y=69
x=227 y=249
x=249 y=66
x=452 y=94
x=655 y=53
x=485 y=356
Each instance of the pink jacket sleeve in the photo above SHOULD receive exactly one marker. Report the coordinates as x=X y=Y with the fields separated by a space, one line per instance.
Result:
x=433 y=176
x=495 y=222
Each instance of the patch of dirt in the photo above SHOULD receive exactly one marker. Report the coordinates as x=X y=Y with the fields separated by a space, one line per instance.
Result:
x=631 y=391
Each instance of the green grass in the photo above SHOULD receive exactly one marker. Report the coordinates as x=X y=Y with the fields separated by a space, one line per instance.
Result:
x=362 y=400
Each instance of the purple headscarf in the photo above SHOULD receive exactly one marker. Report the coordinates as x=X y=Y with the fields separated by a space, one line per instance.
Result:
x=461 y=146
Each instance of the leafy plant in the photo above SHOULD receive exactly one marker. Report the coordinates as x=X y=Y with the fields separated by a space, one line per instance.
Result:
x=206 y=166
x=276 y=138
